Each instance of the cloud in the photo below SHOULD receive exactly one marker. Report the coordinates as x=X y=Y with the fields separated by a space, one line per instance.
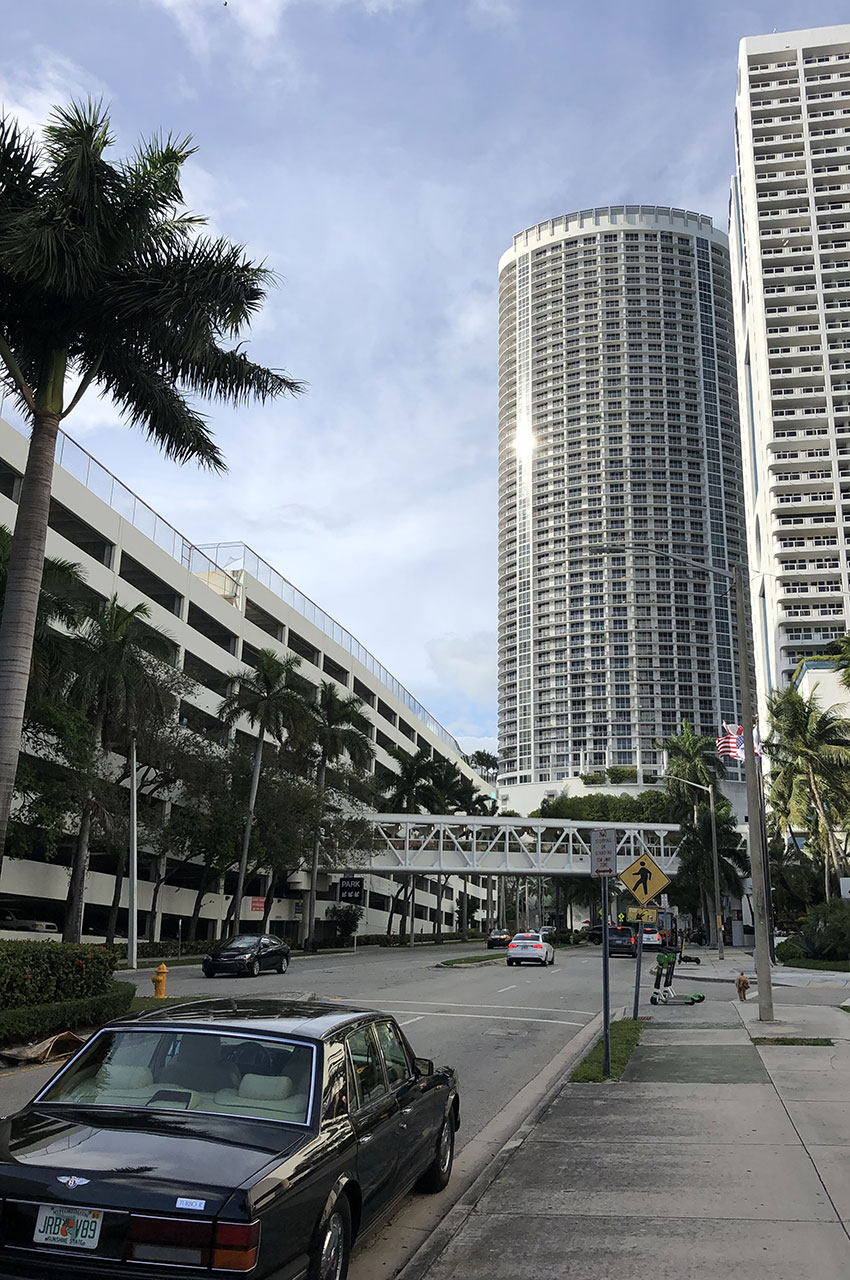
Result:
x=207 y=24
x=48 y=79
x=466 y=664
x=495 y=11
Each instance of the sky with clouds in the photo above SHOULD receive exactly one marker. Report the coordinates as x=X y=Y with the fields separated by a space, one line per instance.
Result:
x=379 y=155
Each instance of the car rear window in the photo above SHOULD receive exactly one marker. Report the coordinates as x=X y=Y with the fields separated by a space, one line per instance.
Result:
x=173 y=1070
x=526 y=937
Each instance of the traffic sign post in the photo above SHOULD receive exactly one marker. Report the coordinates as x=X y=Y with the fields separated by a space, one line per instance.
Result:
x=603 y=863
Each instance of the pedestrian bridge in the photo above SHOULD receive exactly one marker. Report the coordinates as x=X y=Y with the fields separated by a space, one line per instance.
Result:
x=452 y=845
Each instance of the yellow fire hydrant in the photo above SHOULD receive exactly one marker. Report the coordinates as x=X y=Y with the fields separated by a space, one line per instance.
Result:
x=159 y=979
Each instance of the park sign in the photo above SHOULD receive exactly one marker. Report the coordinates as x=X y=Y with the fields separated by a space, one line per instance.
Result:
x=603 y=852
x=644 y=879
x=351 y=890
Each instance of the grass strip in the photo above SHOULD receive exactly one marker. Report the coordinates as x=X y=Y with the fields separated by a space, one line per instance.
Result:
x=470 y=960
x=624 y=1037
x=834 y=966
x=792 y=1040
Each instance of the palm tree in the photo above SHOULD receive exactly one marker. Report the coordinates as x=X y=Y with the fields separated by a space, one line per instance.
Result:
x=269 y=695
x=408 y=790
x=695 y=878
x=486 y=763
x=120 y=675
x=809 y=749
x=339 y=729
x=105 y=280
x=59 y=605
x=691 y=757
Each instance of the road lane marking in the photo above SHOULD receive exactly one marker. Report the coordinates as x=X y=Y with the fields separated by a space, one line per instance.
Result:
x=456 y=1004
x=551 y=1022
x=501 y=989
x=409 y=1020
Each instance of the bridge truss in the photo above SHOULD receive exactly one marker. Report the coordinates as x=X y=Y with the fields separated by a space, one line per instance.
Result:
x=451 y=845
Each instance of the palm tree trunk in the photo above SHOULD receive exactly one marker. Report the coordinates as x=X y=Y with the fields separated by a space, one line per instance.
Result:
x=439 y=919
x=831 y=850
x=274 y=876
x=394 y=901
x=310 y=922
x=75 y=904
x=195 y=917
x=246 y=837
x=23 y=583
x=112 y=922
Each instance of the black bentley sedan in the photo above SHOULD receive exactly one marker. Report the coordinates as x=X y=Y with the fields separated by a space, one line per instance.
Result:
x=247 y=955
x=219 y=1137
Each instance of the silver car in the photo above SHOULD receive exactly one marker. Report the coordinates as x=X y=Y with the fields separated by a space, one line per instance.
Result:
x=532 y=947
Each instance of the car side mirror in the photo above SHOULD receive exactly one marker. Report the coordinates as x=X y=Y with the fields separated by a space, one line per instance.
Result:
x=424 y=1067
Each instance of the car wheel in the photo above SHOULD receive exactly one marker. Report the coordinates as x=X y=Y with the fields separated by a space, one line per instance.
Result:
x=437 y=1175
x=509 y=963
x=253 y=968
x=283 y=964
x=208 y=973
x=330 y=1258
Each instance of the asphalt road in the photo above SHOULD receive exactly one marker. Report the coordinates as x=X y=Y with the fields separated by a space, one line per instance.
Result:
x=500 y=1028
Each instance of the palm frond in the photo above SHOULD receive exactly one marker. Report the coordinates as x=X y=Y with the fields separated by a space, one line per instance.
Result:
x=150 y=401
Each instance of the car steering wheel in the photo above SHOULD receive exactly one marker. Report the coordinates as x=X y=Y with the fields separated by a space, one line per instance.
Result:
x=252 y=1057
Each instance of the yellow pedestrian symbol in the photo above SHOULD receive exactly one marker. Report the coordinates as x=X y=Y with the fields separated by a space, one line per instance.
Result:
x=644 y=879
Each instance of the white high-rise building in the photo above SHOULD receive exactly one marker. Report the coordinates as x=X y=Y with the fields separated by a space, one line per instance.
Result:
x=618 y=442
x=790 y=246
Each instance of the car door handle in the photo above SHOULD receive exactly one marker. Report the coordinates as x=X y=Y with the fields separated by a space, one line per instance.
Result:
x=366 y=1137
x=405 y=1111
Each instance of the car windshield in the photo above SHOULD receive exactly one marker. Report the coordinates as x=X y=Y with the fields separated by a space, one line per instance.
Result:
x=221 y=1074
x=245 y=942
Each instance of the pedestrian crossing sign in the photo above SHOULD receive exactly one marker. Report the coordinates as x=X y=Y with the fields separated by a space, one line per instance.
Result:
x=644 y=879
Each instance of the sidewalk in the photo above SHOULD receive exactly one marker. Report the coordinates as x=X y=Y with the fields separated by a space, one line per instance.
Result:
x=710 y=969
x=712 y=1156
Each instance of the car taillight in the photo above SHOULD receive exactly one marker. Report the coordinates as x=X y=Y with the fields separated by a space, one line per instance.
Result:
x=538 y=946
x=185 y=1242
x=634 y=940
x=511 y=946
x=236 y=1246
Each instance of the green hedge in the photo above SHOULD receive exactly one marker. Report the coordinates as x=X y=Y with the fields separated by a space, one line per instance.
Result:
x=33 y=973
x=37 y=1022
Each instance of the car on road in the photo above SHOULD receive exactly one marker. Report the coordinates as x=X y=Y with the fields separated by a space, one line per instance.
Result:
x=247 y=955
x=622 y=940
x=531 y=947
x=652 y=939
x=222 y=1137
x=498 y=938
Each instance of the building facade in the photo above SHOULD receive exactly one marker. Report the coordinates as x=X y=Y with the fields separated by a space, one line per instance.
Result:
x=619 y=447
x=220 y=605
x=790 y=242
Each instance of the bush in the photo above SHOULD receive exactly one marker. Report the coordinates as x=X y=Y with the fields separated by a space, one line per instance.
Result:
x=789 y=950
x=166 y=948
x=37 y=1022
x=825 y=934
x=593 y=779
x=621 y=773
x=34 y=973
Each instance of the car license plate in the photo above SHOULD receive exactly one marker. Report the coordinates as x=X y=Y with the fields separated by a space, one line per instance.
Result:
x=68 y=1228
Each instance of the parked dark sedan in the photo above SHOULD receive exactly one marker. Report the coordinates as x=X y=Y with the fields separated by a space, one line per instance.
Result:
x=262 y=1136
x=246 y=955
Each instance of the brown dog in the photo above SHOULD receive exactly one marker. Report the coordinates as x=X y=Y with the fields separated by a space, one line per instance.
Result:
x=742 y=985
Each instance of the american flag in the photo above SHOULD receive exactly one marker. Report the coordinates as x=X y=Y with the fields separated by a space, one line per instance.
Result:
x=731 y=744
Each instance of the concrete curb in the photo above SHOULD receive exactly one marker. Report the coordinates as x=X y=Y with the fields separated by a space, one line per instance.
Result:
x=441 y=1236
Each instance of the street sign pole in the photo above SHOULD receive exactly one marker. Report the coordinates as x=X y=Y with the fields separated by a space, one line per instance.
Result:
x=606 y=987
x=637 y=970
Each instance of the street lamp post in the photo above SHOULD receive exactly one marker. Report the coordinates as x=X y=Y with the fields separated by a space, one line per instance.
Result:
x=754 y=827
